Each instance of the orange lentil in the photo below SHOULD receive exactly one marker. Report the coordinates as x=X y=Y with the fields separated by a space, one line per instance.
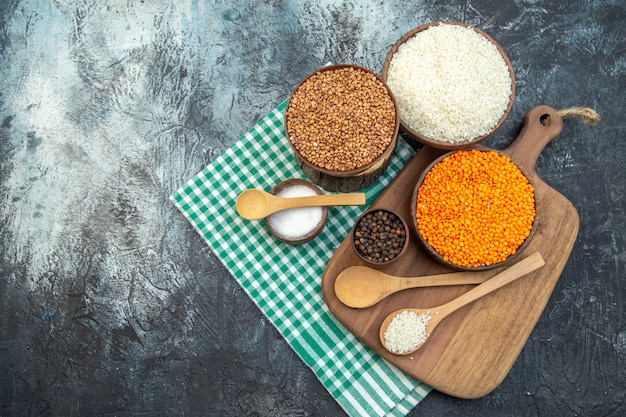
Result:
x=475 y=208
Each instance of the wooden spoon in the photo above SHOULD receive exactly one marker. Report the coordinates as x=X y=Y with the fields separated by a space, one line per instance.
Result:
x=253 y=204
x=361 y=286
x=435 y=315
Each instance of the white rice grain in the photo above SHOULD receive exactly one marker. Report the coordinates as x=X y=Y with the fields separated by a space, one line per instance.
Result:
x=406 y=332
x=451 y=84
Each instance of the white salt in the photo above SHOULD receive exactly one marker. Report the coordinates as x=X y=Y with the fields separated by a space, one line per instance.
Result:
x=298 y=222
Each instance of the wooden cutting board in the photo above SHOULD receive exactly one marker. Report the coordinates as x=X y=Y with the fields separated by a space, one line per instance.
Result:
x=472 y=350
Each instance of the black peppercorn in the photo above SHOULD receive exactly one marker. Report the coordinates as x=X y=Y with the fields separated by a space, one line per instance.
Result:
x=379 y=236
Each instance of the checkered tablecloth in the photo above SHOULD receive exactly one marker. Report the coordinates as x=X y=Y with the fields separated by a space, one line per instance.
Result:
x=285 y=281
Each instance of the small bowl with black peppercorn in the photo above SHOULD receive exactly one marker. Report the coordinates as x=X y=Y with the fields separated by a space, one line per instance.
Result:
x=380 y=237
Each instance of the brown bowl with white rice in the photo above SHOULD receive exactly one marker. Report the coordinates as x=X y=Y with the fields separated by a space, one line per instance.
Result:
x=453 y=84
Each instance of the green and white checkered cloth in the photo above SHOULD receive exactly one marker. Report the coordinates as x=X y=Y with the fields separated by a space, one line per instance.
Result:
x=285 y=281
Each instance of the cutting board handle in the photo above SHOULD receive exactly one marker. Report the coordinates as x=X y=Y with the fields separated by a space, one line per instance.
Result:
x=533 y=137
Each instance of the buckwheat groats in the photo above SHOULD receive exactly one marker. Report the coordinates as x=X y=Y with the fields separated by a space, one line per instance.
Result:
x=341 y=119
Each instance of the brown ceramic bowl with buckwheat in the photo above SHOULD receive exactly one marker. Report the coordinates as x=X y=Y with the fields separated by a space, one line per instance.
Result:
x=342 y=120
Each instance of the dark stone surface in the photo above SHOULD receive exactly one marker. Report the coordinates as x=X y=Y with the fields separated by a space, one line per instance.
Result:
x=110 y=304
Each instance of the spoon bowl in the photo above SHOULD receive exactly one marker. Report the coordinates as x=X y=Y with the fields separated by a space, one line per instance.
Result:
x=429 y=318
x=362 y=286
x=254 y=204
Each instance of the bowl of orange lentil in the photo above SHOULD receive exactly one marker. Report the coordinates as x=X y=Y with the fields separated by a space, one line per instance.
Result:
x=474 y=209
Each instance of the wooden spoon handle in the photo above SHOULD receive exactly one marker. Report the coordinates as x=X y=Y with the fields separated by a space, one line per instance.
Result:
x=352 y=199
x=505 y=277
x=453 y=278
x=533 y=137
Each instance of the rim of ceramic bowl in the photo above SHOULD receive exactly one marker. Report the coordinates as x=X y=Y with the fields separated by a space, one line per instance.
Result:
x=367 y=167
x=404 y=246
x=315 y=231
x=437 y=143
x=436 y=255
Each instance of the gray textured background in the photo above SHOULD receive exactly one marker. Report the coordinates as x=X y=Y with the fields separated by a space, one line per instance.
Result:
x=110 y=304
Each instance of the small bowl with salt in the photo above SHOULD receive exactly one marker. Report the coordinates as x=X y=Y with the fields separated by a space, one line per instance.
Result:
x=297 y=225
